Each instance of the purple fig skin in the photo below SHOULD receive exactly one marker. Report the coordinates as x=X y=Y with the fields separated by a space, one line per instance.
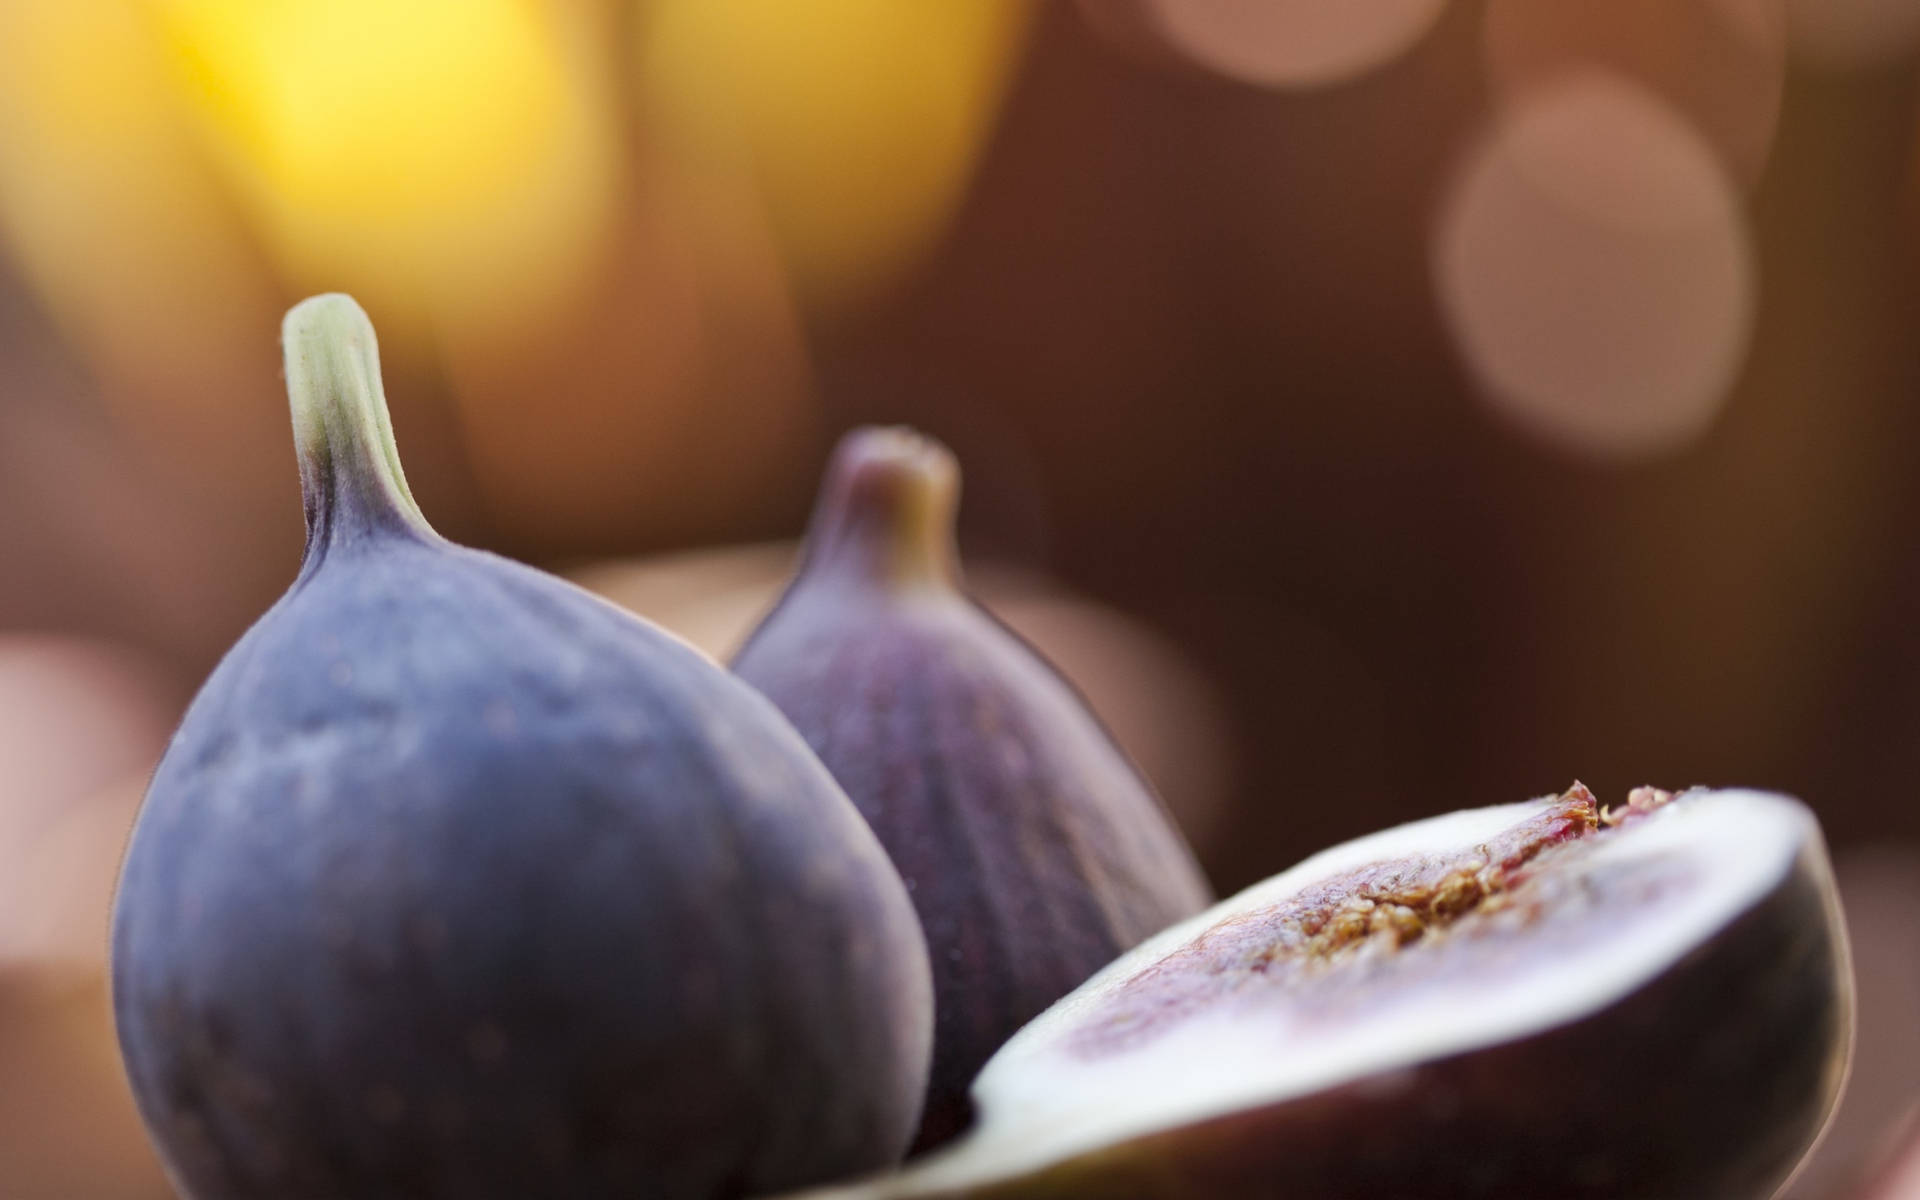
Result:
x=457 y=882
x=1034 y=851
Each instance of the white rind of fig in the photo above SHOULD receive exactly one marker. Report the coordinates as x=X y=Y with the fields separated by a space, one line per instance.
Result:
x=1654 y=1003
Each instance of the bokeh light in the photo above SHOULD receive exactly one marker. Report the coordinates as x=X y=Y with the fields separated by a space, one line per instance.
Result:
x=435 y=153
x=107 y=207
x=1593 y=262
x=1293 y=43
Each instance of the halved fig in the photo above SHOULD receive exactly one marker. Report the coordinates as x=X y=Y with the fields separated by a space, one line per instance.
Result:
x=1547 y=999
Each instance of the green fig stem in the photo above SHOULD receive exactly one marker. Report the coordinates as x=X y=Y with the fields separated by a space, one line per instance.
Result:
x=886 y=513
x=350 y=476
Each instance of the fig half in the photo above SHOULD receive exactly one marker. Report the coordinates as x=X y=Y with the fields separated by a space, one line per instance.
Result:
x=1538 y=1000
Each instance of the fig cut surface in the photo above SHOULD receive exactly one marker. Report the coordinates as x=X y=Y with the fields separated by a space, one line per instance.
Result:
x=1553 y=998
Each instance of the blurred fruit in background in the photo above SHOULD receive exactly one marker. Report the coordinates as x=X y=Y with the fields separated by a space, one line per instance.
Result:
x=583 y=242
x=120 y=222
x=419 y=155
x=857 y=122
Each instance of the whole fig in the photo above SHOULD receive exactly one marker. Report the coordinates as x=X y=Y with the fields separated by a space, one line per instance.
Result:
x=457 y=881
x=1034 y=851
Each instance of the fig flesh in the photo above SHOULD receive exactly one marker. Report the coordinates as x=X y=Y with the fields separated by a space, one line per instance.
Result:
x=1034 y=851
x=457 y=881
x=1537 y=1000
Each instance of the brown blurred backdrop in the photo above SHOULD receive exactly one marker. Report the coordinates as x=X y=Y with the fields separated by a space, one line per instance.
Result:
x=1380 y=409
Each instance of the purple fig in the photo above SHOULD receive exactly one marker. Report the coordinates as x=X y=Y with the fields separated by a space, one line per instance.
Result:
x=1541 y=1000
x=1034 y=851
x=458 y=882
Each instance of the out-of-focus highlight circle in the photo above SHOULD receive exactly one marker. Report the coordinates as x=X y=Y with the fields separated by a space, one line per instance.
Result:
x=1593 y=263
x=441 y=156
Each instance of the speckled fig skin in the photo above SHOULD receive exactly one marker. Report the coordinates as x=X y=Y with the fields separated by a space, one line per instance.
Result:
x=1034 y=851
x=459 y=882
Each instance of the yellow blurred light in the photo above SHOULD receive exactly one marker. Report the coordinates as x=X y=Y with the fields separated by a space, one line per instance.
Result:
x=426 y=152
x=1594 y=264
x=107 y=208
x=859 y=120
x=378 y=110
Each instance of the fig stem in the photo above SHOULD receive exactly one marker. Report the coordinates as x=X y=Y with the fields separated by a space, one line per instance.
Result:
x=886 y=512
x=351 y=481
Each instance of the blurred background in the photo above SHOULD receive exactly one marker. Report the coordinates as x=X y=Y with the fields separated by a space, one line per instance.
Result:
x=1378 y=409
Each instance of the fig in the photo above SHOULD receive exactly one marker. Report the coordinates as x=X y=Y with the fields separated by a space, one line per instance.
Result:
x=1546 y=999
x=1034 y=851
x=457 y=881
